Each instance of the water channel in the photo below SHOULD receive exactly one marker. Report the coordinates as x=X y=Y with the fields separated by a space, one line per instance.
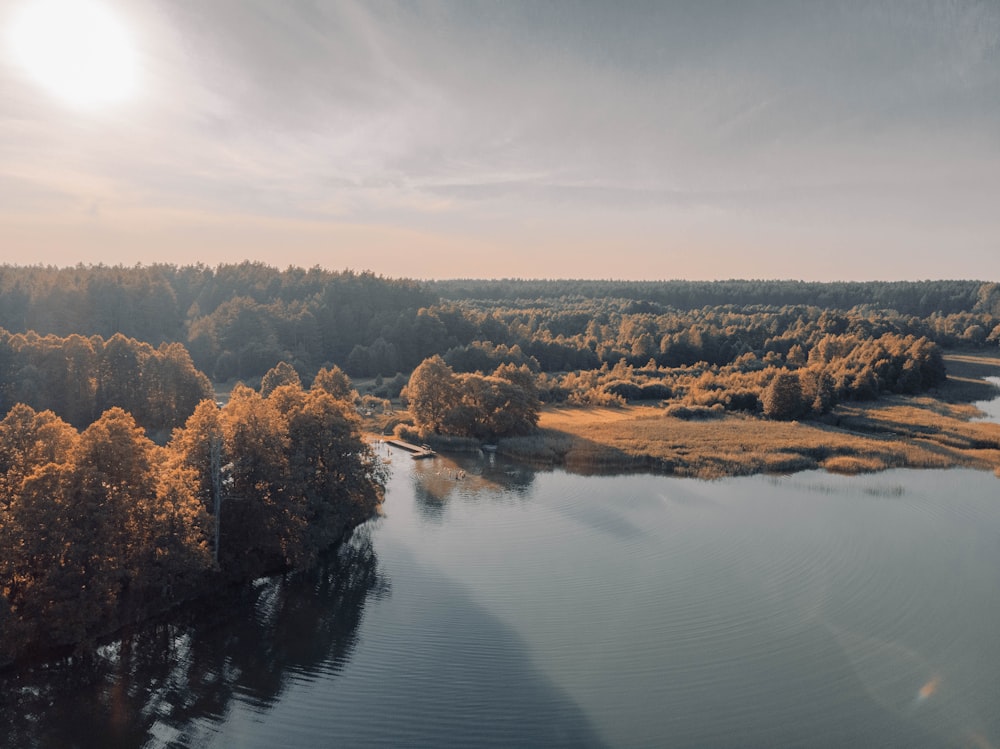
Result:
x=991 y=408
x=494 y=605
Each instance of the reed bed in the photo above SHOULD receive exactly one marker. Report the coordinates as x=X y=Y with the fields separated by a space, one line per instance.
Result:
x=862 y=438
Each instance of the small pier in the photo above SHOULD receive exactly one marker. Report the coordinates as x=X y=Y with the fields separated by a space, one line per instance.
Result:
x=417 y=451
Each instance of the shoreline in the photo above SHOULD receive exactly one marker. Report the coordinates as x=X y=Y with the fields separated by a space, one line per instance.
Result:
x=641 y=439
x=930 y=430
x=215 y=586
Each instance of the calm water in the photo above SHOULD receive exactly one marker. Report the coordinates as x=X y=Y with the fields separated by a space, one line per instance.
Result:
x=513 y=608
x=991 y=408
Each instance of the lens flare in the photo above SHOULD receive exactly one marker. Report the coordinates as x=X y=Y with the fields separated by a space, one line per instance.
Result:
x=928 y=689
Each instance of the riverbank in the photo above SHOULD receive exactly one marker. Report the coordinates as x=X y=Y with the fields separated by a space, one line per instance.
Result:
x=933 y=430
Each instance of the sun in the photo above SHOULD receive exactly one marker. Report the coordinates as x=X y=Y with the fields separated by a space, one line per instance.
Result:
x=78 y=50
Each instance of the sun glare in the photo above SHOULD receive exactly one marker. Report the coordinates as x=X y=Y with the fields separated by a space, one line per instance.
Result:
x=77 y=50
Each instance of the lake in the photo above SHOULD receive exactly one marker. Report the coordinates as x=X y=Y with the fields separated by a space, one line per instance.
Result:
x=494 y=605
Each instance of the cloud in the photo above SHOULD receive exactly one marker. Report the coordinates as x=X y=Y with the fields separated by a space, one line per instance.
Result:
x=691 y=122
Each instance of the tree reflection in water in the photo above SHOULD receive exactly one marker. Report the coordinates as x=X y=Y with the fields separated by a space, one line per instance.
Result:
x=474 y=477
x=158 y=683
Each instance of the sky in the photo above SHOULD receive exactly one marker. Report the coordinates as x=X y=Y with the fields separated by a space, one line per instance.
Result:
x=466 y=138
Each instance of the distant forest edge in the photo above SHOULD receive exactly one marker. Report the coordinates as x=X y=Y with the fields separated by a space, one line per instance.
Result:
x=907 y=297
x=237 y=321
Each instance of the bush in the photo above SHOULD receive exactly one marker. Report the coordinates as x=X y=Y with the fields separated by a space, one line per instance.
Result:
x=687 y=413
x=627 y=390
x=597 y=397
x=743 y=400
x=655 y=391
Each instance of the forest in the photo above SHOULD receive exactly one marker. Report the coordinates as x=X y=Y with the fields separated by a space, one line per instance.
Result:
x=125 y=487
x=237 y=321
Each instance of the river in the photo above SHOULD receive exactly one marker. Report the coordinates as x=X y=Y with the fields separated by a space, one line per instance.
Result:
x=493 y=605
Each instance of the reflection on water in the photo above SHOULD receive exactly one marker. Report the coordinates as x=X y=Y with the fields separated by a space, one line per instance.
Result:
x=157 y=685
x=549 y=609
x=476 y=476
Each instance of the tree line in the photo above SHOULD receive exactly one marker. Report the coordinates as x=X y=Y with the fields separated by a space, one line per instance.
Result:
x=920 y=298
x=804 y=370
x=80 y=378
x=237 y=321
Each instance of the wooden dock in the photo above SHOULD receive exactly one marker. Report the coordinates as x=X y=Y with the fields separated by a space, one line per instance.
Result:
x=418 y=451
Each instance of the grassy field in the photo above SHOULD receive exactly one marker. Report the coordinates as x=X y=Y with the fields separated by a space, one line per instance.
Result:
x=935 y=430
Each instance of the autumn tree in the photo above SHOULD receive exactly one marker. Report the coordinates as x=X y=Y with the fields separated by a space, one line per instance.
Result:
x=332 y=473
x=111 y=489
x=335 y=382
x=782 y=398
x=29 y=440
x=100 y=537
x=34 y=521
x=503 y=408
x=433 y=393
x=280 y=374
x=818 y=389
x=191 y=447
x=256 y=512
x=178 y=528
x=48 y=599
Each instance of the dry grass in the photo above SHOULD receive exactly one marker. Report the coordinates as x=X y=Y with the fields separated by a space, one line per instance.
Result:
x=916 y=433
x=851 y=465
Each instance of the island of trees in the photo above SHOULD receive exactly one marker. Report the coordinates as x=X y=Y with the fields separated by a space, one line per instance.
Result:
x=125 y=487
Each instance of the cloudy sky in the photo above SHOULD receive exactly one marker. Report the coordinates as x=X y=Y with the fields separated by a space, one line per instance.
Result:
x=458 y=138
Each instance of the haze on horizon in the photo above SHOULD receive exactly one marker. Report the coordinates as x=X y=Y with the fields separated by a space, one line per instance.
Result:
x=446 y=139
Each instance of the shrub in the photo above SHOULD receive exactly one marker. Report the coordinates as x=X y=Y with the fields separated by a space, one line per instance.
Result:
x=655 y=391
